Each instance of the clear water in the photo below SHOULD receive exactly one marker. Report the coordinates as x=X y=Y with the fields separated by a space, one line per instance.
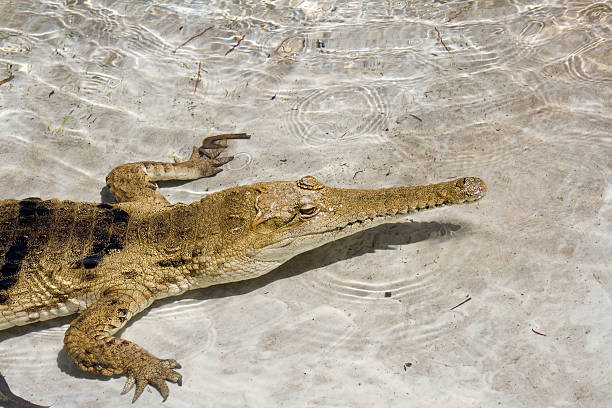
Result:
x=358 y=94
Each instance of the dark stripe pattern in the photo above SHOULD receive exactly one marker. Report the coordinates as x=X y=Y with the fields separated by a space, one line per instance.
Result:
x=108 y=233
x=12 y=262
x=33 y=230
x=29 y=232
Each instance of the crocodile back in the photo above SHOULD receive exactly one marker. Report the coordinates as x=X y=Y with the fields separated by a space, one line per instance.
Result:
x=41 y=240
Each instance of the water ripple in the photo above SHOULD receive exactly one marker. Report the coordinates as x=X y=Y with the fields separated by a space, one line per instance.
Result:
x=591 y=62
x=597 y=13
x=338 y=114
x=514 y=92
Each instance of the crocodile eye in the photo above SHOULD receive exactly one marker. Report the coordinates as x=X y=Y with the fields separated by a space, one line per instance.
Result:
x=308 y=210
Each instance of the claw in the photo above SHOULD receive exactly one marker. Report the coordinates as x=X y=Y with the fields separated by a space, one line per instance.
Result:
x=128 y=385
x=211 y=142
x=195 y=154
x=211 y=154
x=140 y=386
x=172 y=363
x=161 y=386
x=175 y=377
x=220 y=161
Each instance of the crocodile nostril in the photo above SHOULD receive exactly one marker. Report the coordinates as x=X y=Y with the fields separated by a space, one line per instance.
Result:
x=310 y=183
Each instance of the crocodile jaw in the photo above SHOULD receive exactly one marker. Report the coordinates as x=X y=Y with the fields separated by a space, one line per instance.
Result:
x=324 y=214
x=287 y=248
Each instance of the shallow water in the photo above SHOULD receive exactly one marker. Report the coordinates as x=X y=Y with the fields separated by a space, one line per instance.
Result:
x=358 y=94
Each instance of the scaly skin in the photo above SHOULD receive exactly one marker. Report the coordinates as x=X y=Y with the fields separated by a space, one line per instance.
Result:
x=108 y=262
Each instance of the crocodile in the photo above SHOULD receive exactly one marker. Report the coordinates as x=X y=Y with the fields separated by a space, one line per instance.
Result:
x=109 y=261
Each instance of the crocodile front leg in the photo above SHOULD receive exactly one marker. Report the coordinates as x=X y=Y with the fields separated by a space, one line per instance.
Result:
x=136 y=181
x=90 y=342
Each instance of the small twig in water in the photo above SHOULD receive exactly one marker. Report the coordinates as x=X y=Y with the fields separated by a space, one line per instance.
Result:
x=280 y=45
x=537 y=332
x=465 y=301
x=65 y=119
x=111 y=58
x=193 y=38
x=416 y=117
x=441 y=40
x=5 y=80
x=461 y=10
x=235 y=45
x=195 y=88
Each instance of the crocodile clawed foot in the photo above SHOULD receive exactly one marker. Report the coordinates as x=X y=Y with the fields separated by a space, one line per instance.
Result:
x=206 y=158
x=213 y=146
x=156 y=373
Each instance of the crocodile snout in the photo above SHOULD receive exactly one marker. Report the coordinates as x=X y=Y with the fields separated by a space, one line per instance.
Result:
x=473 y=187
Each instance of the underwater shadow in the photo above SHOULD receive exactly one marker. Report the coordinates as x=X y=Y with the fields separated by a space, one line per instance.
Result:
x=107 y=197
x=382 y=237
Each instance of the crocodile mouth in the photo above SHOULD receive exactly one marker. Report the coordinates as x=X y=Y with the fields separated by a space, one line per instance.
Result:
x=317 y=238
x=456 y=192
x=393 y=214
x=367 y=221
x=470 y=189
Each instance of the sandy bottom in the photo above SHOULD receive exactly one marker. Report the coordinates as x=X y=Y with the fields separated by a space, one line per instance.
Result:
x=506 y=302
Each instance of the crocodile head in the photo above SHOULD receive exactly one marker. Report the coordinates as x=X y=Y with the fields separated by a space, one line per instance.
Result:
x=294 y=217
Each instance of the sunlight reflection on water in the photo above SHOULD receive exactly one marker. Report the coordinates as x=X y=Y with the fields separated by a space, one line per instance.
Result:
x=360 y=94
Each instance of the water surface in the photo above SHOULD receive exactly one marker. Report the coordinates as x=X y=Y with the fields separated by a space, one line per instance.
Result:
x=358 y=94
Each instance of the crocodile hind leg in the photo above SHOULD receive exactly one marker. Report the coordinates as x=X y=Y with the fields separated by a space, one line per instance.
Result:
x=90 y=342
x=136 y=181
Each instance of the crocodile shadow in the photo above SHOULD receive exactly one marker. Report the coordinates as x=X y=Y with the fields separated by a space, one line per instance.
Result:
x=382 y=237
